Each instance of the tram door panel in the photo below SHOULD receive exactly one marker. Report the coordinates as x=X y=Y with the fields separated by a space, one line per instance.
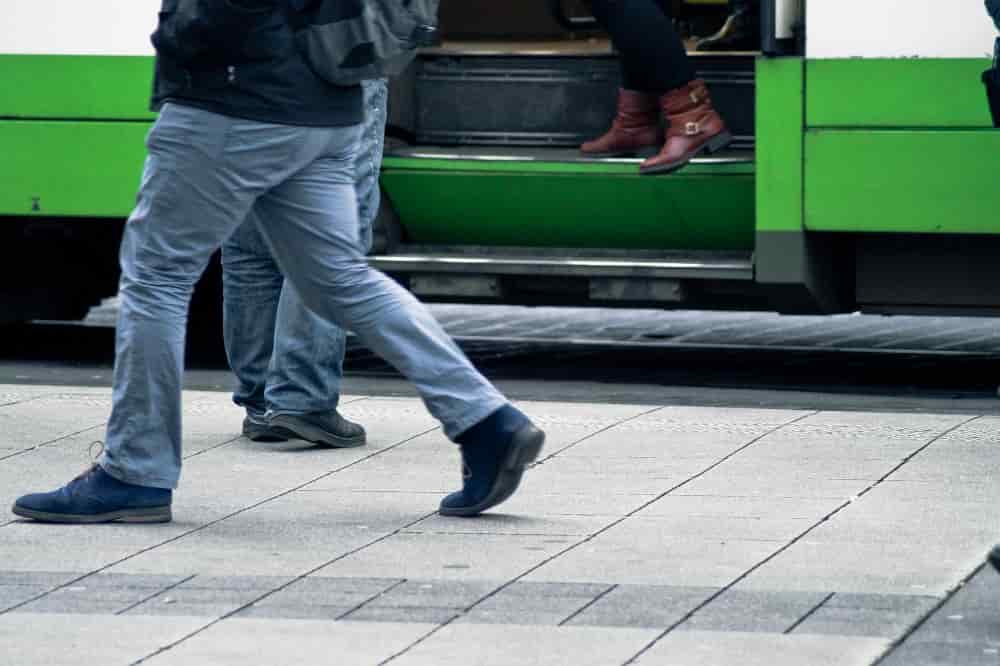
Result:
x=782 y=22
x=787 y=15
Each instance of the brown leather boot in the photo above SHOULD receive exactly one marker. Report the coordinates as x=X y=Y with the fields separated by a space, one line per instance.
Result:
x=637 y=126
x=695 y=128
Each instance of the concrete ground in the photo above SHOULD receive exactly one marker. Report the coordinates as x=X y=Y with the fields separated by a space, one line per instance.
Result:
x=647 y=534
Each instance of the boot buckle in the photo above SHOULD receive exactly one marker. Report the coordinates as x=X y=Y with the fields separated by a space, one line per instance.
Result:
x=692 y=129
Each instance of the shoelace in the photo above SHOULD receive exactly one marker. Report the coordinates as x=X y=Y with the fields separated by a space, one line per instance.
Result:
x=93 y=461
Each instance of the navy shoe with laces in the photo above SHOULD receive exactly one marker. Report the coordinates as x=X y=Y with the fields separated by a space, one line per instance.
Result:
x=97 y=497
x=495 y=453
x=994 y=557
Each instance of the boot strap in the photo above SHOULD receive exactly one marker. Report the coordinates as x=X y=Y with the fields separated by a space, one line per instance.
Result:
x=697 y=94
x=689 y=124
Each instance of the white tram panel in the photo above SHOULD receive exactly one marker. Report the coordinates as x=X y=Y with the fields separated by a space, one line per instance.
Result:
x=78 y=27
x=898 y=29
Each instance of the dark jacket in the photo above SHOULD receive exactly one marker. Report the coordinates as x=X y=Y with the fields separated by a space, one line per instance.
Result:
x=238 y=58
x=993 y=7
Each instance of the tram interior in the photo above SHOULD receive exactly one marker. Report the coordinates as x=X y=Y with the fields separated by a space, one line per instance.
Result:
x=530 y=78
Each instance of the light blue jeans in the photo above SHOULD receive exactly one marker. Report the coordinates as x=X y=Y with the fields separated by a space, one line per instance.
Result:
x=286 y=359
x=204 y=175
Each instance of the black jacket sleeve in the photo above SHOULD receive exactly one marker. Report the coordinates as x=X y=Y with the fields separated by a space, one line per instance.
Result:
x=993 y=7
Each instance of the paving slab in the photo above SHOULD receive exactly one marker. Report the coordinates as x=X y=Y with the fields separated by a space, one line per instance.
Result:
x=13 y=394
x=29 y=639
x=696 y=648
x=681 y=527
x=52 y=417
x=941 y=653
x=268 y=543
x=102 y=594
x=652 y=606
x=769 y=611
x=965 y=630
x=208 y=596
x=636 y=554
x=536 y=604
x=713 y=506
x=732 y=481
x=79 y=548
x=449 y=556
x=881 y=615
x=245 y=641
x=316 y=597
x=569 y=424
x=540 y=523
x=648 y=476
x=535 y=498
x=923 y=568
x=13 y=596
x=934 y=492
x=891 y=424
x=513 y=645
x=667 y=434
x=454 y=594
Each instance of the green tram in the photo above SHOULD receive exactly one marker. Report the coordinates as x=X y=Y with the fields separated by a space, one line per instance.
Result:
x=864 y=175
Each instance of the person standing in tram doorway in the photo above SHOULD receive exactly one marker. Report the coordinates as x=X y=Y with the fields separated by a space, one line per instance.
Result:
x=658 y=78
x=288 y=362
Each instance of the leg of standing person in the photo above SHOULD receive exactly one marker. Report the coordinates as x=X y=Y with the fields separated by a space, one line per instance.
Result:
x=658 y=78
x=740 y=32
x=289 y=373
x=204 y=174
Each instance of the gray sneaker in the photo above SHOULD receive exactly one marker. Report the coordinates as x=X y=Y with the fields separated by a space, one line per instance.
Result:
x=257 y=429
x=328 y=428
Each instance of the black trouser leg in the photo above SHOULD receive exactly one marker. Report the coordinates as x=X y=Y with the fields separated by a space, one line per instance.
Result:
x=653 y=57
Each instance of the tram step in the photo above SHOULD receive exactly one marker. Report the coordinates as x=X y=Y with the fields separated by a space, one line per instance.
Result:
x=516 y=274
x=566 y=262
x=529 y=99
x=553 y=197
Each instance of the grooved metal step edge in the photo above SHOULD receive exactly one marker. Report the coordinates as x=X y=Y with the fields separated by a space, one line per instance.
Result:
x=536 y=154
x=694 y=267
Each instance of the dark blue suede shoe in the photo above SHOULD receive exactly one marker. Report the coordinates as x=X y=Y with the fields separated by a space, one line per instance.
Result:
x=495 y=453
x=97 y=497
x=994 y=557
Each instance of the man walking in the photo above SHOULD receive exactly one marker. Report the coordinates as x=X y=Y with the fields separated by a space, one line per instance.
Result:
x=247 y=126
x=288 y=362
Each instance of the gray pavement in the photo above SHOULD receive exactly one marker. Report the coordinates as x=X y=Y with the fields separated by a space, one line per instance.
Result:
x=648 y=534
